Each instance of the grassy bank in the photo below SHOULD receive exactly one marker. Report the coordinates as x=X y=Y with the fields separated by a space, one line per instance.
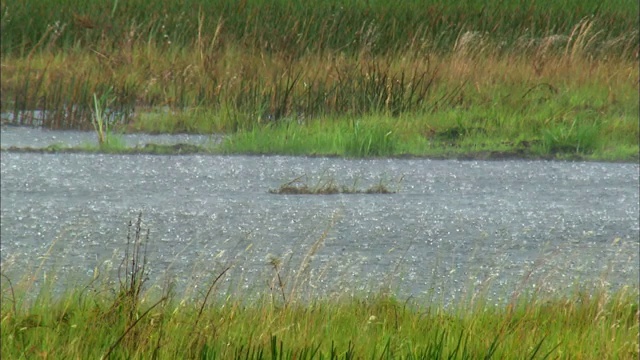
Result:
x=117 y=315
x=557 y=78
x=527 y=134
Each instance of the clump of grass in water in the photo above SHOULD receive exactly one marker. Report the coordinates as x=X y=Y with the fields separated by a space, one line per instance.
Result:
x=330 y=187
x=296 y=187
x=102 y=125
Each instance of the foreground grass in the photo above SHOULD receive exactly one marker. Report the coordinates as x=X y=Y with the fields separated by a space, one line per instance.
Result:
x=121 y=318
x=93 y=322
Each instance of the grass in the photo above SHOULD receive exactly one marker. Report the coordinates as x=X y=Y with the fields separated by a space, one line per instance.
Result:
x=447 y=134
x=120 y=316
x=329 y=186
x=580 y=326
x=295 y=27
x=101 y=124
x=462 y=77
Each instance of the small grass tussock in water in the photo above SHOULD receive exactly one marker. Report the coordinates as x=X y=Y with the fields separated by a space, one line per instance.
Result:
x=102 y=124
x=329 y=186
x=121 y=317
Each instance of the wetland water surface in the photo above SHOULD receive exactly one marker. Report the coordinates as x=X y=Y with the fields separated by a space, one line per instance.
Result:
x=453 y=227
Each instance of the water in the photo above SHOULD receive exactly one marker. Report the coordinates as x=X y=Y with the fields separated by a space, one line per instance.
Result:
x=38 y=138
x=453 y=228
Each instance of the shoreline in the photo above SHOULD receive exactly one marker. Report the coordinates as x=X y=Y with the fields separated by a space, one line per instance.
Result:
x=190 y=149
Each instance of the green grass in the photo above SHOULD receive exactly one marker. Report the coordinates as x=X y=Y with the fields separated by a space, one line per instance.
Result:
x=123 y=317
x=450 y=134
x=89 y=325
x=296 y=26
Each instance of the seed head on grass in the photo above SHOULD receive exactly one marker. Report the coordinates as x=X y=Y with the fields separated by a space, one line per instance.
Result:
x=276 y=263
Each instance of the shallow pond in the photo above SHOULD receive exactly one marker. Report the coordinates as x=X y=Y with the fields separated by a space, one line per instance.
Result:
x=454 y=227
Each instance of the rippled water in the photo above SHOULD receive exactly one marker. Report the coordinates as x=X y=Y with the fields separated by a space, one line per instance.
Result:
x=39 y=138
x=453 y=227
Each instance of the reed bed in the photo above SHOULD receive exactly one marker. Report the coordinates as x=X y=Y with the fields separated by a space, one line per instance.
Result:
x=233 y=67
x=118 y=315
x=296 y=27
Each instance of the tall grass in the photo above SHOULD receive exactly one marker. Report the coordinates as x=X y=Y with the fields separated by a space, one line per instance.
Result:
x=238 y=67
x=124 y=318
x=297 y=27
x=278 y=59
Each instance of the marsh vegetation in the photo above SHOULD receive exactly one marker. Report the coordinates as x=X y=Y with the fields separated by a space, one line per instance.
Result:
x=551 y=79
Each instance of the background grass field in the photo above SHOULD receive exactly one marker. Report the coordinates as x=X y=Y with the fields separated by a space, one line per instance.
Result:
x=552 y=77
